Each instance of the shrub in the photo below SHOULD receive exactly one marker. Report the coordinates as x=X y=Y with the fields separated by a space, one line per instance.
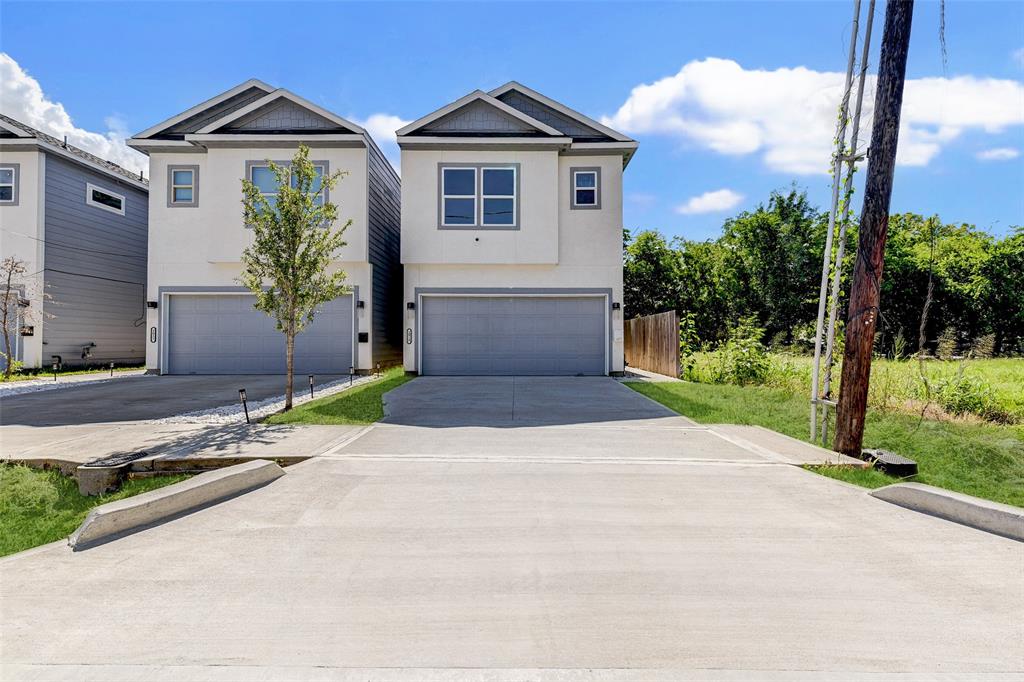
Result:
x=743 y=359
x=963 y=394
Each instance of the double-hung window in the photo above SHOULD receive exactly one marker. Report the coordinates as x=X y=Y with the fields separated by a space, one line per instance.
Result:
x=182 y=186
x=266 y=182
x=479 y=196
x=586 y=187
x=9 y=184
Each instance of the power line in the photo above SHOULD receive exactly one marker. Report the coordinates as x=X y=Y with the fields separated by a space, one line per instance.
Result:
x=76 y=247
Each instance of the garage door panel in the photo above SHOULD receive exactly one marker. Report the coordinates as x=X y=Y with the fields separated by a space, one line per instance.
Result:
x=513 y=335
x=224 y=334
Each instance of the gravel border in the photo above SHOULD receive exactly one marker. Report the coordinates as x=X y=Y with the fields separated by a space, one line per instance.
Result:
x=234 y=413
x=8 y=389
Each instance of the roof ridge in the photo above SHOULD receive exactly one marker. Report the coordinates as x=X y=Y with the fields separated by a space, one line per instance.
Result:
x=77 y=151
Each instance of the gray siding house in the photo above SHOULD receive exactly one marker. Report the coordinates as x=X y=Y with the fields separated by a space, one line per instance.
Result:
x=80 y=224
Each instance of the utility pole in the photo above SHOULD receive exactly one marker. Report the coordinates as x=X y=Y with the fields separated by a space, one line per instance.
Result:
x=865 y=290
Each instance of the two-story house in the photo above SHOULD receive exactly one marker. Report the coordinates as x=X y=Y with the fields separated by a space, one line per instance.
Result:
x=512 y=238
x=200 y=320
x=78 y=224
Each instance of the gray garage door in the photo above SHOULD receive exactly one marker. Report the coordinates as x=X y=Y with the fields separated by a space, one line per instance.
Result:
x=223 y=334
x=513 y=335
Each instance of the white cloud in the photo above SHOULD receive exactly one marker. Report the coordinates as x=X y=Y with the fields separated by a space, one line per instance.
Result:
x=382 y=129
x=998 y=154
x=787 y=116
x=22 y=98
x=1018 y=56
x=710 y=202
x=641 y=200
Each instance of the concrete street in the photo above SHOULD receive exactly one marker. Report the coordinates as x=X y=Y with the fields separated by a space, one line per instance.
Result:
x=639 y=548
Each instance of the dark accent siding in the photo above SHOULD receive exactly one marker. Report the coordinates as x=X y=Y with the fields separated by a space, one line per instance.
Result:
x=384 y=204
x=207 y=116
x=95 y=273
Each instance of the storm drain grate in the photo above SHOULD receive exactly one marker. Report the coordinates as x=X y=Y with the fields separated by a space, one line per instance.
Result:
x=891 y=463
x=117 y=460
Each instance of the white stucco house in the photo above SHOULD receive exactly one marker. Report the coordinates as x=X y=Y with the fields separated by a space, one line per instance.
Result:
x=512 y=238
x=200 y=320
x=78 y=223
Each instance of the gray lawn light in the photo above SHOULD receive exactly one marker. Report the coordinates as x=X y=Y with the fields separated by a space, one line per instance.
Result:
x=311 y=386
x=245 y=406
x=111 y=369
x=55 y=371
x=351 y=369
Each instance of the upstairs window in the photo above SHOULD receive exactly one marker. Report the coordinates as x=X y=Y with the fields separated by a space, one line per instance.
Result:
x=458 y=197
x=586 y=188
x=9 y=184
x=479 y=196
x=182 y=186
x=104 y=199
x=499 y=195
x=263 y=177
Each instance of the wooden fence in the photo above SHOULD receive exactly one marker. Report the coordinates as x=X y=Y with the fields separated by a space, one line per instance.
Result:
x=652 y=343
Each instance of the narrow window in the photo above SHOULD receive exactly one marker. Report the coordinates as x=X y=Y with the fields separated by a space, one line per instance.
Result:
x=183 y=186
x=103 y=198
x=499 y=196
x=585 y=188
x=458 y=196
x=8 y=185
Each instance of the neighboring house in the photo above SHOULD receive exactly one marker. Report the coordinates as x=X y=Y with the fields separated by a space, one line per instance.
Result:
x=201 y=321
x=512 y=238
x=79 y=224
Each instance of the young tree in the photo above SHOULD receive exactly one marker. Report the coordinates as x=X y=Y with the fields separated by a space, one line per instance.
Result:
x=294 y=242
x=16 y=288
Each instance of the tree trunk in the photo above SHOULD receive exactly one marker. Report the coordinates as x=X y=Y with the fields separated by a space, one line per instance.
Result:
x=9 y=364
x=290 y=363
x=862 y=316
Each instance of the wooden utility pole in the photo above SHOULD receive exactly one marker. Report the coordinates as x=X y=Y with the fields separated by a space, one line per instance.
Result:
x=865 y=290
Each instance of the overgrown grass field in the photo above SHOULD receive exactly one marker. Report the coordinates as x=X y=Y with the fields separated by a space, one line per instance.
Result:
x=37 y=507
x=973 y=457
x=359 y=405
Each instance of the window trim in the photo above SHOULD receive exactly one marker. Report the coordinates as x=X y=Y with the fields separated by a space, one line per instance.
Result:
x=171 y=203
x=15 y=183
x=324 y=165
x=473 y=196
x=596 y=171
x=90 y=188
x=478 y=223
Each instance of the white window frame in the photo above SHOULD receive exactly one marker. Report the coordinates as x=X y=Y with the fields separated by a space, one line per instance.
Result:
x=191 y=185
x=13 y=184
x=576 y=188
x=477 y=179
x=514 y=196
x=90 y=188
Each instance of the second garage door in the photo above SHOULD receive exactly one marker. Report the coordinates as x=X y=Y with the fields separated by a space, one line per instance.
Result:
x=224 y=334
x=509 y=335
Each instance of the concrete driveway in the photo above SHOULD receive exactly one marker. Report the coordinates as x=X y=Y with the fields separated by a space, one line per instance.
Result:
x=629 y=549
x=136 y=398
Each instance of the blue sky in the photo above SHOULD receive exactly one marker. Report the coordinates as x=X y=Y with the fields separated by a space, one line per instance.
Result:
x=739 y=101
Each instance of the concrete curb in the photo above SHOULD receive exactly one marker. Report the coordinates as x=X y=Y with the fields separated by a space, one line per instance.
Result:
x=123 y=517
x=992 y=517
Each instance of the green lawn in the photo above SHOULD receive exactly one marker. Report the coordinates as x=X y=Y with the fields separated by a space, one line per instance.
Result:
x=44 y=373
x=982 y=459
x=37 y=507
x=359 y=405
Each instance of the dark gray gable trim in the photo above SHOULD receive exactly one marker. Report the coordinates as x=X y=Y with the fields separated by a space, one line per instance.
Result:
x=572 y=188
x=542 y=112
x=15 y=191
x=195 y=187
x=206 y=116
x=165 y=292
x=283 y=115
x=420 y=292
x=479 y=196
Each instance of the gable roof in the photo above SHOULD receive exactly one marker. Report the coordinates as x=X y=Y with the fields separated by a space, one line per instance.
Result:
x=227 y=101
x=22 y=131
x=295 y=107
x=556 y=113
x=481 y=101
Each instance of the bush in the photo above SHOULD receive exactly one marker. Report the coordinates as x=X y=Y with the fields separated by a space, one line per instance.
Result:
x=742 y=359
x=967 y=395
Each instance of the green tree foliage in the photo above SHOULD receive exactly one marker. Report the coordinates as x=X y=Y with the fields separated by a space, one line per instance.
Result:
x=767 y=264
x=294 y=243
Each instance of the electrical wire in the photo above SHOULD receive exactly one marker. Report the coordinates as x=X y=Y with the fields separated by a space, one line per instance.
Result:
x=75 y=247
